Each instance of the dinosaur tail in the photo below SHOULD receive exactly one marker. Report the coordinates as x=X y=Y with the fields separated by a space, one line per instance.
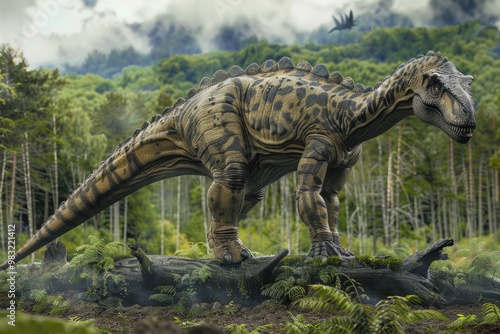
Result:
x=154 y=153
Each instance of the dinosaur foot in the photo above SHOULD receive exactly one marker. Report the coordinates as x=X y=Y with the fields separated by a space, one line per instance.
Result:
x=323 y=249
x=227 y=246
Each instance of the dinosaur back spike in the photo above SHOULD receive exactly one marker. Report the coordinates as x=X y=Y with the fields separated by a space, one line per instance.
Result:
x=179 y=101
x=252 y=69
x=348 y=83
x=269 y=66
x=336 y=77
x=285 y=63
x=236 y=71
x=220 y=76
x=205 y=82
x=304 y=65
x=192 y=92
x=321 y=71
x=155 y=118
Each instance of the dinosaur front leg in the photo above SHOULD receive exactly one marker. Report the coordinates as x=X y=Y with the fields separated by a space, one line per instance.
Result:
x=314 y=210
x=334 y=182
x=225 y=201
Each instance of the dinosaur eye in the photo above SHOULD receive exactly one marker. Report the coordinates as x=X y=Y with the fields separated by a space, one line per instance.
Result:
x=437 y=89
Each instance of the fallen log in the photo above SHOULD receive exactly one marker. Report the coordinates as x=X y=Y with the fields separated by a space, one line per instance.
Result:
x=166 y=279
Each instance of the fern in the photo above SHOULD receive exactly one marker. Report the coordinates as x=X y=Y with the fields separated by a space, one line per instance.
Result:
x=296 y=293
x=278 y=289
x=194 y=252
x=165 y=294
x=463 y=321
x=491 y=314
x=95 y=261
x=391 y=314
x=350 y=316
x=242 y=329
x=300 y=325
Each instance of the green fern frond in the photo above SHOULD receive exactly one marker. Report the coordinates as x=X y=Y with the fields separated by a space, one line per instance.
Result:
x=300 y=325
x=165 y=289
x=296 y=292
x=161 y=297
x=285 y=273
x=329 y=299
x=242 y=329
x=278 y=289
x=39 y=295
x=491 y=314
x=463 y=321
x=343 y=325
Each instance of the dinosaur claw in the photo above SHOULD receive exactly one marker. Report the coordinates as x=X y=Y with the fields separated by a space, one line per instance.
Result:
x=228 y=259
x=245 y=254
x=324 y=249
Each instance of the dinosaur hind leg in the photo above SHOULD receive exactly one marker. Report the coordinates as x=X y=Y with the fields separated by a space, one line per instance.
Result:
x=226 y=197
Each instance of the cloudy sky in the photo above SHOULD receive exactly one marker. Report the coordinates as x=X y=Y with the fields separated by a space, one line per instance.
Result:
x=58 y=31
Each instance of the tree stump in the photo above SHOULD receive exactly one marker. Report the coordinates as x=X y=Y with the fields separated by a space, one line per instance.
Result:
x=167 y=278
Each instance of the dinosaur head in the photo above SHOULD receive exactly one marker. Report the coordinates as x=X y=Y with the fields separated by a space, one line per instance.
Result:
x=444 y=99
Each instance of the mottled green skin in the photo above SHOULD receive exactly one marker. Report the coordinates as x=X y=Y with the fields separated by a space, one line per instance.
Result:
x=246 y=129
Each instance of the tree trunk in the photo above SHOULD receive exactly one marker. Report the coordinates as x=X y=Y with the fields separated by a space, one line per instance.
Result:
x=2 y=178
x=204 y=210
x=389 y=200
x=204 y=280
x=10 y=218
x=56 y=165
x=162 y=217
x=27 y=188
x=116 y=221
x=178 y=218
x=125 y=224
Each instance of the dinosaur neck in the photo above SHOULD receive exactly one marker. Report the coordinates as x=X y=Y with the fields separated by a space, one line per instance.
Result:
x=380 y=110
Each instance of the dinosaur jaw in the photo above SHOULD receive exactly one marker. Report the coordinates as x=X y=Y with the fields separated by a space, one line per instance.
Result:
x=459 y=131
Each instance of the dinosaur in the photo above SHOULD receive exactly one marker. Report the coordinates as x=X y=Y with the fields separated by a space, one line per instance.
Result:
x=345 y=23
x=247 y=128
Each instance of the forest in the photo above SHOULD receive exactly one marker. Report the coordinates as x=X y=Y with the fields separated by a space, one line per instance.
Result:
x=412 y=185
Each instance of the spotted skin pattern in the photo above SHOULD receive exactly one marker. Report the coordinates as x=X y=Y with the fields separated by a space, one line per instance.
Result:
x=247 y=128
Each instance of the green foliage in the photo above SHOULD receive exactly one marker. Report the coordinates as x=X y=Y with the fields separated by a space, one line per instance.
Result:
x=300 y=325
x=464 y=321
x=195 y=251
x=94 y=261
x=380 y=262
x=395 y=251
x=165 y=294
x=242 y=329
x=27 y=323
x=491 y=314
x=475 y=264
x=349 y=316
x=53 y=303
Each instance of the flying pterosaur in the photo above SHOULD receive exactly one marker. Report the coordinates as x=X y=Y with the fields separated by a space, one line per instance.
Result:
x=346 y=22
